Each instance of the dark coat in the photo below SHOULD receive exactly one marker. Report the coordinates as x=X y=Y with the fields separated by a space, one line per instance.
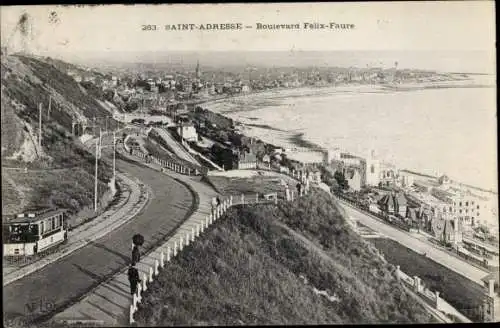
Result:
x=136 y=255
x=133 y=275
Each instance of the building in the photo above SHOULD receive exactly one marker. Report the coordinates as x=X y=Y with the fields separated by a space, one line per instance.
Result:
x=394 y=204
x=372 y=170
x=187 y=132
x=244 y=160
x=331 y=155
x=472 y=209
x=353 y=177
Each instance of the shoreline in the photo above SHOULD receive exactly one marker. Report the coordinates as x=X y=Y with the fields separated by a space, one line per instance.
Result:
x=228 y=106
x=311 y=91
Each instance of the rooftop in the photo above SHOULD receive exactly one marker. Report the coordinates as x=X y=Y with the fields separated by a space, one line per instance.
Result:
x=32 y=216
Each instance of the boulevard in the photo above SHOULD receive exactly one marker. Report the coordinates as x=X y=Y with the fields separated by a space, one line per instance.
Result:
x=59 y=284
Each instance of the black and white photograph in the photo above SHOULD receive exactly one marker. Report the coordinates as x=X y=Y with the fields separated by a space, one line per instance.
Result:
x=239 y=164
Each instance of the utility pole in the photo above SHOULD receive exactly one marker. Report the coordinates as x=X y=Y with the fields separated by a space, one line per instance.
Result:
x=40 y=125
x=95 y=186
x=50 y=103
x=114 y=157
x=100 y=141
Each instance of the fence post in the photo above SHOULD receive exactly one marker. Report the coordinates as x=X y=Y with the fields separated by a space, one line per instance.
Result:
x=187 y=238
x=276 y=198
x=168 y=254
x=144 y=282
x=197 y=230
x=436 y=293
x=181 y=244
x=131 y=317
x=398 y=272
x=256 y=198
x=206 y=220
x=202 y=228
x=162 y=259
x=231 y=200
x=192 y=234
x=134 y=302
x=242 y=199
x=175 y=248
x=417 y=283
x=139 y=291
x=157 y=265
x=151 y=274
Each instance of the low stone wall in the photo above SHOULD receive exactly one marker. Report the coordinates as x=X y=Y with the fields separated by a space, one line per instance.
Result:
x=430 y=297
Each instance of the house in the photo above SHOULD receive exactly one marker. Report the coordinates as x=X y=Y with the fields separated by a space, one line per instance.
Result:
x=187 y=132
x=393 y=204
x=315 y=176
x=245 y=160
x=353 y=178
x=284 y=169
x=266 y=159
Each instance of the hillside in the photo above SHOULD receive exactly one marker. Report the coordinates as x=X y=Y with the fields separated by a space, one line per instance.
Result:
x=60 y=171
x=295 y=263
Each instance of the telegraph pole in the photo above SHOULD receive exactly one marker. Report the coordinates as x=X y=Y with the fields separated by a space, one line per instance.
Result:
x=100 y=141
x=50 y=103
x=95 y=185
x=114 y=157
x=40 y=125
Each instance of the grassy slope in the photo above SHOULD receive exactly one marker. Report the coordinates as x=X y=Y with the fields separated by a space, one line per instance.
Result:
x=257 y=184
x=459 y=291
x=25 y=81
x=246 y=270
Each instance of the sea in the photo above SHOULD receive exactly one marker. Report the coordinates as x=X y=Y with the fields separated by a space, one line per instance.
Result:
x=434 y=131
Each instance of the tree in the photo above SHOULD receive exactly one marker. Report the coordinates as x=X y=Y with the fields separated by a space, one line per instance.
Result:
x=341 y=180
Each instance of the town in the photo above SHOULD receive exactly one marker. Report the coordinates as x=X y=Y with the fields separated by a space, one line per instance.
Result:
x=144 y=184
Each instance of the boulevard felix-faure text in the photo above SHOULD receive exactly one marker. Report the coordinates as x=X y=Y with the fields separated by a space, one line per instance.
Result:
x=241 y=26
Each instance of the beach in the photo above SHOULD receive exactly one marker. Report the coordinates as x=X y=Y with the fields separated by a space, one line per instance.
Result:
x=442 y=127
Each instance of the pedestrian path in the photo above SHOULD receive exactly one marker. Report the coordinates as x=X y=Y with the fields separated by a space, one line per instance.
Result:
x=110 y=220
x=109 y=303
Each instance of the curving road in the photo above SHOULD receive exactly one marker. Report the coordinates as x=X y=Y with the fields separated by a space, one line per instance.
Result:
x=460 y=266
x=59 y=284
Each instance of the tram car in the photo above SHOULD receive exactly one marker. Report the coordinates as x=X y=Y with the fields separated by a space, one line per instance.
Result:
x=30 y=233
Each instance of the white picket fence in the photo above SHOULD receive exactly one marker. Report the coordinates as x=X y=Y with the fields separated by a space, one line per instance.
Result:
x=173 y=166
x=166 y=255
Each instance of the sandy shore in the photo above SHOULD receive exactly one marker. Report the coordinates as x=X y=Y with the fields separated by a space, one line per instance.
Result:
x=251 y=101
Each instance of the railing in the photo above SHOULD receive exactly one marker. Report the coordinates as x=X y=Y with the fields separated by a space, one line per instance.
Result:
x=173 y=166
x=168 y=253
x=429 y=296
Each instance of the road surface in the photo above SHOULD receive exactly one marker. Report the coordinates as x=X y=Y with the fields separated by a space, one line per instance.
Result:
x=473 y=273
x=178 y=149
x=62 y=282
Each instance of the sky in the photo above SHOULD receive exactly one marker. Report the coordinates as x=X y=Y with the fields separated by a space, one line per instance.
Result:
x=451 y=35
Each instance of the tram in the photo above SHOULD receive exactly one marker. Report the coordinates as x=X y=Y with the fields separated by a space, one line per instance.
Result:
x=30 y=233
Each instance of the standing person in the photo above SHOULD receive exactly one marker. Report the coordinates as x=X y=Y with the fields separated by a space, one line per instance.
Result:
x=133 y=278
x=218 y=201
x=136 y=254
x=299 y=187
